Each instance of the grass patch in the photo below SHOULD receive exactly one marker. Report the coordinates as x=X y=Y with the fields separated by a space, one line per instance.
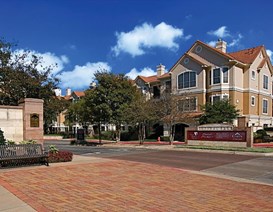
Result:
x=241 y=149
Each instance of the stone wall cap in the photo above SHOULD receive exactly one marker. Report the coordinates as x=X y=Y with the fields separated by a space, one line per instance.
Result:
x=31 y=100
x=11 y=107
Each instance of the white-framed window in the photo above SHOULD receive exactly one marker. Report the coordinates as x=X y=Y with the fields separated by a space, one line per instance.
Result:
x=216 y=78
x=253 y=74
x=188 y=104
x=265 y=82
x=265 y=106
x=215 y=98
x=252 y=100
x=225 y=74
x=225 y=96
x=219 y=75
x=218 y=97
x=187 y=80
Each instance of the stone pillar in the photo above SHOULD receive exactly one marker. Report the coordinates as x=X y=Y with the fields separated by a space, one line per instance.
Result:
x=33 y=123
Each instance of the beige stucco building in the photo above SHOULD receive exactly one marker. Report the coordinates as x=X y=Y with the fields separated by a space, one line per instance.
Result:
x=211 y=73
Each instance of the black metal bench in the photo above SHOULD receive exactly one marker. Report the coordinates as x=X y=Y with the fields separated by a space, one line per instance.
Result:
x=22 y=154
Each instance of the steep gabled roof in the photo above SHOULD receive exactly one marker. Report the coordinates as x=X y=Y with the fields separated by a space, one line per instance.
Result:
x=199 y=59
x=247 y=55
x=214 y=49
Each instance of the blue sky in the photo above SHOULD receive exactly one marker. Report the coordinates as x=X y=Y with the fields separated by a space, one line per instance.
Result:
x=128 y=36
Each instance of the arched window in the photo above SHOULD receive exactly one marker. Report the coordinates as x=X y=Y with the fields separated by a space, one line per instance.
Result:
x=187 y=80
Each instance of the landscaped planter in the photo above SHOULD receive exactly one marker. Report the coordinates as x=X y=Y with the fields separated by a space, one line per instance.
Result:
x=60 y=156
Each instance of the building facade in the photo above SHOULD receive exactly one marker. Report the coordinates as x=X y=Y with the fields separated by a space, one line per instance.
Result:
x=208 y=74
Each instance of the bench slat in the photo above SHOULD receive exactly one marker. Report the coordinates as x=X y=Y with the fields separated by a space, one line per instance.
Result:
x=21 y=153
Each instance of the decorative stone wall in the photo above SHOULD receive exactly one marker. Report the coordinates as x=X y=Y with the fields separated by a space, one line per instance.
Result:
x=23 y=122
x=11 y=122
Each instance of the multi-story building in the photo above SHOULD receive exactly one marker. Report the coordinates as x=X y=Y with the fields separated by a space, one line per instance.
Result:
x=208 y=74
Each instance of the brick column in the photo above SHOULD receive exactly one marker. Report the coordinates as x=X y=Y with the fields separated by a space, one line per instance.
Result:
x=33 y=123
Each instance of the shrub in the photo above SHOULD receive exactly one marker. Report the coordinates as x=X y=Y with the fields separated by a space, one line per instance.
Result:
x=107 y=135
x=164 y=138
x=2 y=138
x=129 y=136
x=259 y=134
x=28 y=142
x=10 y=142
x=53 y=149
x=60 y=156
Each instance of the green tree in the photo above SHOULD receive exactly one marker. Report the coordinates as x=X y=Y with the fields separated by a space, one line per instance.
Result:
x=21 y=77
x=141 y=113
x=52 y=108
x=108 y=100
x=219 y=112
x=77 y=113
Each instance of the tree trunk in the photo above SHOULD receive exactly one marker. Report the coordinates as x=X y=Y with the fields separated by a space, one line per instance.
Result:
x=99 y=132
x=173 y=134
x=118 y=132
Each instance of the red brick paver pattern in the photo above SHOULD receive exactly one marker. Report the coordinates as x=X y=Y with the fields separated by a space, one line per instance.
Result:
x=131 y=186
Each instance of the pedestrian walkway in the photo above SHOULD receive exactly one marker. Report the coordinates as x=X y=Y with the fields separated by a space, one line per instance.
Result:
x=93 y=184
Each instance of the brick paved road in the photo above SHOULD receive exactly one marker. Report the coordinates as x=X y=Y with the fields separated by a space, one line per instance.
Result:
x=114 y=185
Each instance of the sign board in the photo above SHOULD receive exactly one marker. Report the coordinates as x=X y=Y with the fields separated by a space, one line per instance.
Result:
x=237 y=136
x=34 y=120
x=80 y=134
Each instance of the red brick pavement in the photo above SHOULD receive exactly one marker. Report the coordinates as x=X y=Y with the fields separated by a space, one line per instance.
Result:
x=131 y=186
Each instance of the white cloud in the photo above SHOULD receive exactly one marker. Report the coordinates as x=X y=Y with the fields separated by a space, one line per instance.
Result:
x=270 y=54
x=144 y=72
x=81 y=76
x=221 y=32
x=236 y=41
x=135 y=42
x=212 y=43
x=232 y=39
x=47 y=59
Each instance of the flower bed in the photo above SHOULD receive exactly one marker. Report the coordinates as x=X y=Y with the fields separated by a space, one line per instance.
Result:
x=60 y=156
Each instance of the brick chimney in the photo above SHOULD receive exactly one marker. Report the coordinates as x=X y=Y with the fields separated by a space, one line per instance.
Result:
x=160 y=70
x=221 y=45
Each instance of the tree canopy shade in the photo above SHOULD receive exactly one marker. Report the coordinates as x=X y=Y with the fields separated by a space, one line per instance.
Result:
x=219 y=112
x=108 y=101
x=21 y=77
x=141 y=113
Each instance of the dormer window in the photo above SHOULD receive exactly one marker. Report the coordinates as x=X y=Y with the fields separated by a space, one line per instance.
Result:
x=187 y=80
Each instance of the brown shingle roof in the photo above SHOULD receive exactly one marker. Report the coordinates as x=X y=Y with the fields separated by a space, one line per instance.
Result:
x=149 y=79
x=79 y=93
x=247 y=55
x=166 y=75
